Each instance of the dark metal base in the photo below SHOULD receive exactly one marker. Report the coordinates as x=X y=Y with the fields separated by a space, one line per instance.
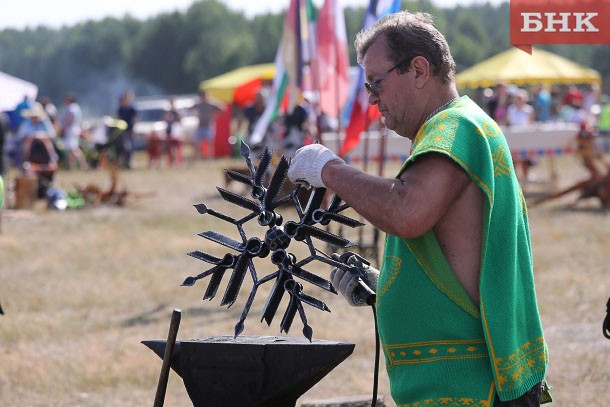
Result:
x=251 y=371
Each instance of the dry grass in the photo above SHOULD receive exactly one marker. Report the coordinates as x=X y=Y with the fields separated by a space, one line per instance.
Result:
x=81 y=289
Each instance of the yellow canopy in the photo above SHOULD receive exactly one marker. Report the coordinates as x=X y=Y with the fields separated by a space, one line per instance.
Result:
x=223 y=87
x=520 y=68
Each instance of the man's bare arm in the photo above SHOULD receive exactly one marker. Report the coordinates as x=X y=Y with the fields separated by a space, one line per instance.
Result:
x=407 y=207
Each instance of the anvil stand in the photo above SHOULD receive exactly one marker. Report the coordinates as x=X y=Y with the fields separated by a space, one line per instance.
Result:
x=251 y=371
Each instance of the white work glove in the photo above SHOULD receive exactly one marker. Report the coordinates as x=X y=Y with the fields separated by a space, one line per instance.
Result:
x=348 y=284
x=307 y=164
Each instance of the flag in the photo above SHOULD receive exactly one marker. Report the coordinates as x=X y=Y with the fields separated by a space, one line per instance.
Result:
x=332 y=59
x=361 y=112
x=292 y=61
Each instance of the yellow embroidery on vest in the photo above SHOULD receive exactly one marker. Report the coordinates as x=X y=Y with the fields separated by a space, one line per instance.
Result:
x=393 y=264
x=448 y=402
x=515 y=369
x=433 y=351
x=491 y=129
x=501 y=163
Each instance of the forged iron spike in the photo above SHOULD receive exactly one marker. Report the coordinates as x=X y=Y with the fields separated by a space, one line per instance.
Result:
x=222 y=239
x=245 y=152
x=190 y=281
x=281 y=201
x=244 y=149
x=201 y=208
x=293 y=288
x=214 y=283
x=345 y=220
x=268 y=277
x=276 y=182
x=330 y=261
x=289 y=314
x=324 y=217
x=222 y=216
x=315 y=200
x=274 y=299
x=327 y=237
x=334 y=203
x=245 y=219
x=341 y=208
x=235 y=282
x=313 y=279
x=295 y=200
x=238 y=176
x=239 y=327
x=238 y=200
x=314 y=302
x=208 y=258
x=261 y=170
x=307 y=331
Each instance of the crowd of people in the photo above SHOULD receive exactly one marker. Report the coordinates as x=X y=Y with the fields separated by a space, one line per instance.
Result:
x=584 y=106
x=39 y=138
x=510 y=105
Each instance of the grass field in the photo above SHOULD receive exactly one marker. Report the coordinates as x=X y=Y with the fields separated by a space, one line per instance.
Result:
x=80 y=289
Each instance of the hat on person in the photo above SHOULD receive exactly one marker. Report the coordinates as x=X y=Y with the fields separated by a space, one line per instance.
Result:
x=37 y=110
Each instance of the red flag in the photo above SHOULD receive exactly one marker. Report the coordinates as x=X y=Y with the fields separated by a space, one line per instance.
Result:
x=362 y=115
x=332 y=60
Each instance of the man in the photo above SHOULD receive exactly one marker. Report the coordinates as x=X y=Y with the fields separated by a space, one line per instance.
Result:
x=71 y=131
x=254 y=111
x=128 y=113
x=457 y=308
x=204 y=134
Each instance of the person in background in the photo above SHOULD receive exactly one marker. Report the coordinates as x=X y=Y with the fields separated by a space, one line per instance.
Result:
x=542 y=104
x=498 y=104
x=128 y=113
x=571 y=111
x=591 y=156
x=520 y=113
x=204 y=134
x=297 y=127
x=590 y=97
x=71 y=132
x=255 y=110
x=173 y=132
x=37 y=136
x=603 y=124
x=456 y=301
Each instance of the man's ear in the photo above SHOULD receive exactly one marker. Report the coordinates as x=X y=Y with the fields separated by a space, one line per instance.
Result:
x=421 y=66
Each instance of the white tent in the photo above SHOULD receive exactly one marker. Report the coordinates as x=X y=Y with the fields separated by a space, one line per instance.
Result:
x=13 y=90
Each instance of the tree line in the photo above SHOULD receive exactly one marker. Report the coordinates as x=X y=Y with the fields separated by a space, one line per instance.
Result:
x=172 y=53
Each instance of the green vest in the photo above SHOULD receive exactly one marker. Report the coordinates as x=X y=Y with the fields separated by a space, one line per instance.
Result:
x=441 y=348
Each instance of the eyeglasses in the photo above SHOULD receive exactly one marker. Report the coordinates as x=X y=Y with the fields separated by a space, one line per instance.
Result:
x=373 y=88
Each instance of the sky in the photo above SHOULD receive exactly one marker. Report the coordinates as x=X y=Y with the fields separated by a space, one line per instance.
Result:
x=57 y=13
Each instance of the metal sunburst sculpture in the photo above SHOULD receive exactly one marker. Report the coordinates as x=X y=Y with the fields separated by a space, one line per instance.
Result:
x=277 y=238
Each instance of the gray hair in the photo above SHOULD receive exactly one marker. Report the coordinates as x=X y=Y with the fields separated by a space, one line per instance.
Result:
x=408 y=35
